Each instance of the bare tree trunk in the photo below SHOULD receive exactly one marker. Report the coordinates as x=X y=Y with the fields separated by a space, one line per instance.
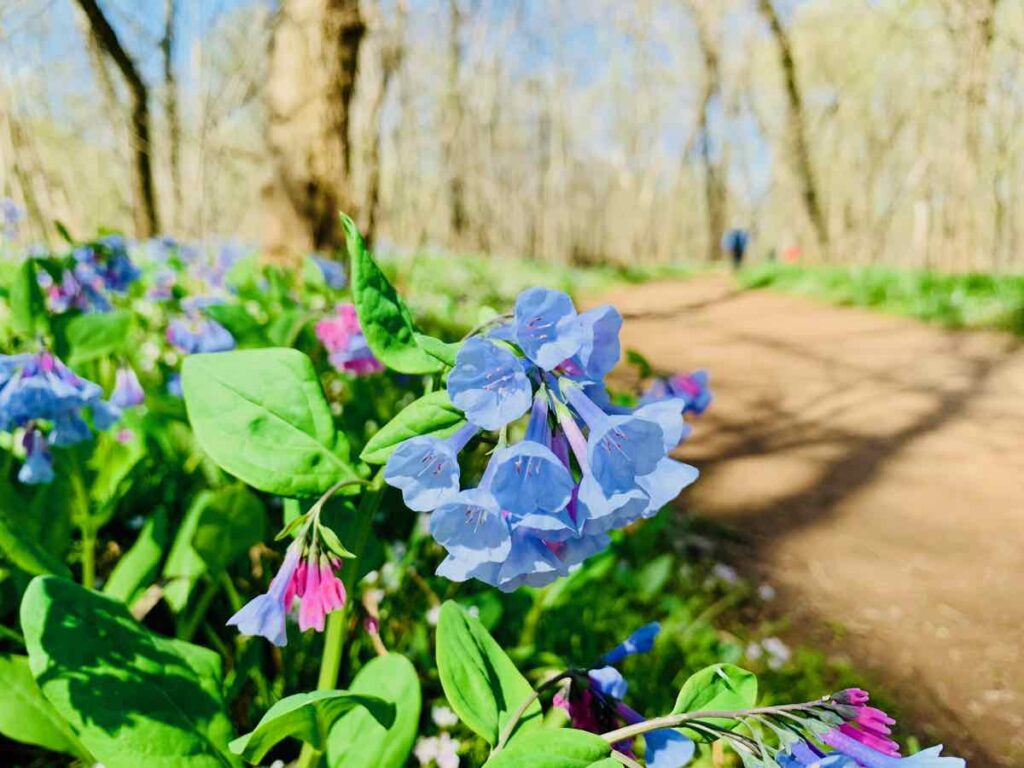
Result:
x=171 y=109
x=314 y=59
x=453 y=122
x=390 y=59
x=797 y=129
x=147 y=220
x=714 y=182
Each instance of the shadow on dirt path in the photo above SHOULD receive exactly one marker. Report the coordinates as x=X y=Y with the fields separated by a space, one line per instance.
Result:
x=876 y=466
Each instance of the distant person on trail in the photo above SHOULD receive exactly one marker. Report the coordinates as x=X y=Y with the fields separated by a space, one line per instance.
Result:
x=734 y=241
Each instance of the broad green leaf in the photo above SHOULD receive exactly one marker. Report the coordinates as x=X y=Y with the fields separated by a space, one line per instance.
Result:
x=307 y=717
x=28 y=307
x=113 y=461
x=27 y=717
x=432 y=414
x=139 y=565
x=18 y=543
x=480 y=682
x=357 y=740
x=97 y=334
x=716 y=688
x=261 y=415
x=130 y=696
x=553 y=748
x=230 y=523
x=385 y=320
x=184 y=566
x=442 y=350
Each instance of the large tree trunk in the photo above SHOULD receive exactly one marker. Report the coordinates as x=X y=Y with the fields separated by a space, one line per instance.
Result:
x=714 y=174
x=797 y=129
x=314 y=55
x=147 y=220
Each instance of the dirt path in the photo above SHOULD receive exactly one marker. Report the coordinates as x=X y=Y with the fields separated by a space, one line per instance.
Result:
x=879 y=466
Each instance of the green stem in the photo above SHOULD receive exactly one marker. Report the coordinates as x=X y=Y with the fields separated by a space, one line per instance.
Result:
x=187 y=629
x=674 y=721
x=334 y=635
x=88 y=554
x=513 y=721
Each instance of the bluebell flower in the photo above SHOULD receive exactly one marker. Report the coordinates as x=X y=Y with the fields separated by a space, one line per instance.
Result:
x=199 y=334
x=38 y=466
x=426 y=468
x=264 y=615
x=641 y=641
x=619 y=448
x=472 y=528
x=332 y=271
x=528 y=478
x=174 y=385
x=69 y=428
x=128 y=391
x=547 y=327
x=489 y=384
x=595 y=702
x=692 y=389
x=35 y=389
x=600 y=349
x=867 y=757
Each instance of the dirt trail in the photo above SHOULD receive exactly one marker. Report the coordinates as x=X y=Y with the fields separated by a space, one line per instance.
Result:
x=878 y=465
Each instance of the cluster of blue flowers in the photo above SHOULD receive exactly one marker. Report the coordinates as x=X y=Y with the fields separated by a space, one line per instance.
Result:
x=584 y=467
x=41 y=395
x=195 y=332
x=99 y=268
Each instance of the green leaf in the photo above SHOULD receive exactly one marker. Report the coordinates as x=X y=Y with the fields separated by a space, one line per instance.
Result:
x=385 y=320
x=481 y=683
x=292 y=525
x=19 y=545
x=125 y=692
x=261 y=415
x=333 y=543
x=307 y=717
x=432 y=414
x=229 y=524
x=553 y=748
x=139 y=565
x=717 y=687
x=238 y=321
x=184 y=566
x=28 y=307
x=442 y=350
x=357 y=740
x=27 y=717
x=97 y=334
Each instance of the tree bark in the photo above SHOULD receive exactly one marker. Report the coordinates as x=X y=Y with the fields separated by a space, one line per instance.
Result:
x=314 y=59
x=714 y=181
x=797 y=129
x=171 y=109
x=147 y=220
x=453 y=123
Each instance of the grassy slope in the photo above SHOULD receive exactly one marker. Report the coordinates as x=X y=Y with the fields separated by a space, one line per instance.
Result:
x=955 y=301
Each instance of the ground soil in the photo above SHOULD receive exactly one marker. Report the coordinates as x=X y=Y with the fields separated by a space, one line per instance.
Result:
x=876 y=468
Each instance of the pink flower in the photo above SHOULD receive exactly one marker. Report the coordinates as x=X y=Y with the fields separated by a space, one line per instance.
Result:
x=335 y=332
x=346 y=345
x=322 y=593
x=868 y=725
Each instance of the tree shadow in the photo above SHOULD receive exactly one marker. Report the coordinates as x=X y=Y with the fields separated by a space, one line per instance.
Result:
x=113 y=675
